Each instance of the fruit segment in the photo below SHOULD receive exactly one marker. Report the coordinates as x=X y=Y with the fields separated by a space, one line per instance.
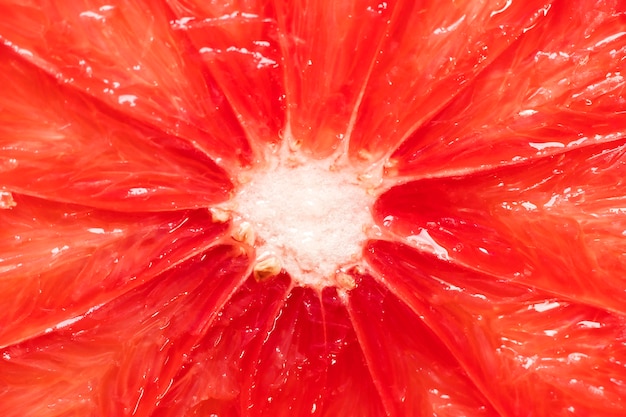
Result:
x=561 y=85
x=220 y=361
x=557 y=224
x=297 y=353
x=432 y=51
x=290 y=335
x=121 y=359
x=294 y=354
x=62 y=145
x=350 y=385
x=238 y=43
x=125 y=55
x=59 y=260
x=414 y=372
x=328 y=50
x=530 y=353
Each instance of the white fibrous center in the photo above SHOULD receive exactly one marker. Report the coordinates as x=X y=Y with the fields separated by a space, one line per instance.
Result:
x=307 y=219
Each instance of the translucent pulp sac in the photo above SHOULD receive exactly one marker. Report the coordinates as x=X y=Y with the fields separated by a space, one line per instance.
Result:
x=308 y=218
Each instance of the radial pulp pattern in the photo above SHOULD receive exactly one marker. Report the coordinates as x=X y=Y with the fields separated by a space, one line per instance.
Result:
x=311 y=207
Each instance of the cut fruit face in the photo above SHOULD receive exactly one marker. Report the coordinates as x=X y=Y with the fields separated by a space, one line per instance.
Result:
x=269 y=208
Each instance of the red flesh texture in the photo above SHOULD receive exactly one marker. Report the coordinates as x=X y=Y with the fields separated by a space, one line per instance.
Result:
x=97 y=367
x=355 y=368
x=558 y=226
x=60 y=260
x=190 y=344
x=413 y=370
x=530 y=353
x=238 y=42
x=328 y=49
x=568 y=70
x=433 y=50
x=390 y=99
x=267 y=342
x=219 y=363
x=115 y=50
x=59 y=144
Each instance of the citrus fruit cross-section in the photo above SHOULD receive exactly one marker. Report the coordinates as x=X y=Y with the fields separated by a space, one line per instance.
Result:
x=267 y=208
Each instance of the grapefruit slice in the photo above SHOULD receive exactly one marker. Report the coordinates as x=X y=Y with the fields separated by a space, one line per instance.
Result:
x=269 y=208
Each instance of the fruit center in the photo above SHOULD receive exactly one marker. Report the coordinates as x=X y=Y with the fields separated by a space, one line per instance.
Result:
x=307 y=218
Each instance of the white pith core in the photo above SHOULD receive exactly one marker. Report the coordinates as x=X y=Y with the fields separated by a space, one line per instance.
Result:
x=310 y=217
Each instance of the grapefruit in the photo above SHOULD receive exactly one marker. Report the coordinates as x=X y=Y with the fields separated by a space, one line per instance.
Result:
x=270 y=208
